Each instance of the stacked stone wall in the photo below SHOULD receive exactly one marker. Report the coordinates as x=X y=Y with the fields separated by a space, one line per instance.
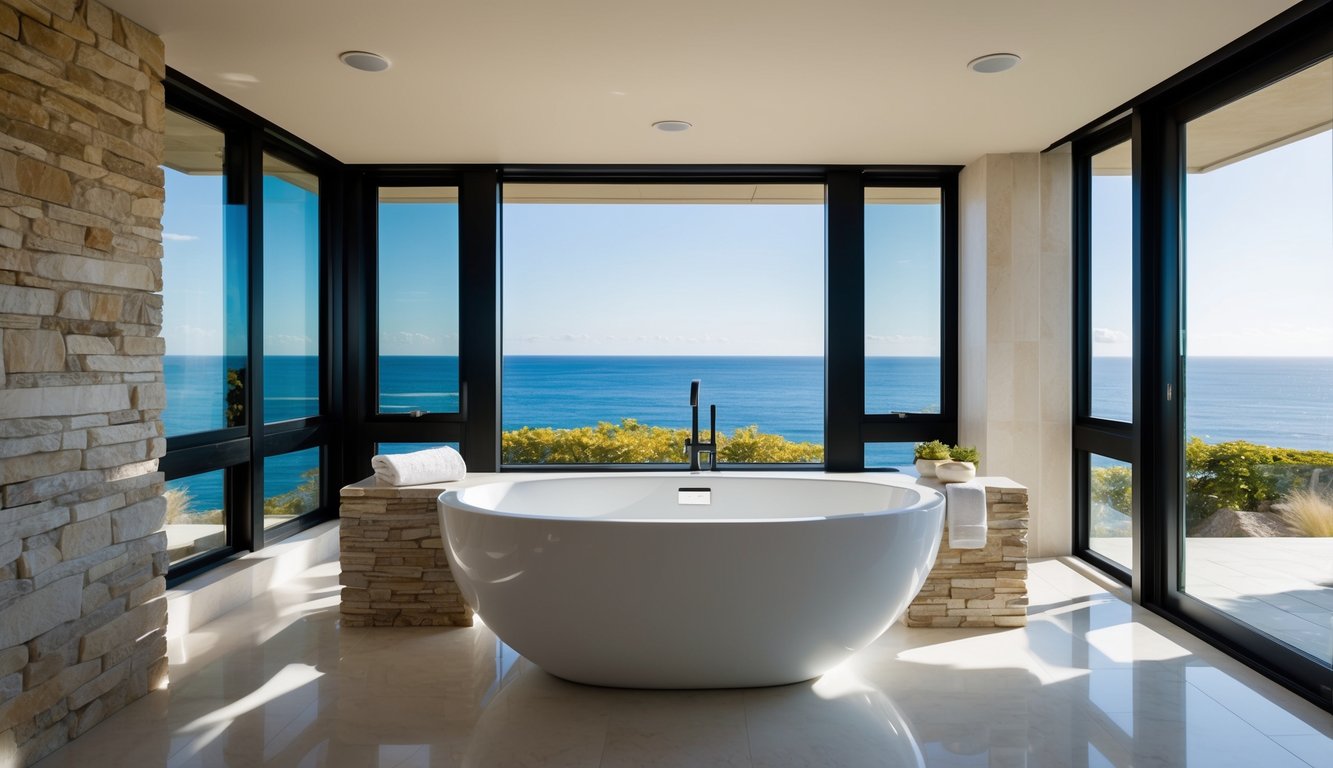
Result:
x=394 y=569
x=82 y=553
x=984 y=587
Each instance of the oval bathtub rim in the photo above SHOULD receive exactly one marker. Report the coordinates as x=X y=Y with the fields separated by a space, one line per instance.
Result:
x=927 y=498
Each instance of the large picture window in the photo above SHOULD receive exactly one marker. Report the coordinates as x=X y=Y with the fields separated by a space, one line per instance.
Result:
x=249 y=452
x=1258 y=361
x=1204 y=463
x=617 y=296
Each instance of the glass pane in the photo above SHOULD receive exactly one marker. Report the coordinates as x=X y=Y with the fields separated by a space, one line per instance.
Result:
x=418 y=299
x=903 y=313
x=890 y=456
x=617 y=296
x=1111 y=299
x=291 y=292
x=196 y=515
x=1110 y=530
x=1258 y=372
x=203 y=284
x=385 y=449
x=291 y=485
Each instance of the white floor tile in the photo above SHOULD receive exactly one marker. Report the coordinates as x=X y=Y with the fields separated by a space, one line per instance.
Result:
x=1091 y=682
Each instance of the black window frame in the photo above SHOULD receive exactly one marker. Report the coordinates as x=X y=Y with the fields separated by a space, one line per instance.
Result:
x=350 y=427
x=241 y=450
x=1092 y=435
x=847 y=427
x=1293 y=40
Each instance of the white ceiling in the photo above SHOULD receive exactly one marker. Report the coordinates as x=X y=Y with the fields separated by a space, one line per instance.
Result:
x=763 y=81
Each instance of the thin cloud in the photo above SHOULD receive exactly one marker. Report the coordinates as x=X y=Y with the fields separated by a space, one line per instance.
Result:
x=1109 y=336
x=177 y=237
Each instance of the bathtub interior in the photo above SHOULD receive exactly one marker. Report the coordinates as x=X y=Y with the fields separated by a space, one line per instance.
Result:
x=637 y=498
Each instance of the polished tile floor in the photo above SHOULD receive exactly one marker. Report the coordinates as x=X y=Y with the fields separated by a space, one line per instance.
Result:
x=1280 y=585
x=1092 y=681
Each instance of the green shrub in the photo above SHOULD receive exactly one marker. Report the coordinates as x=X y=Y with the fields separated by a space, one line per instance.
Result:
x=1241 y=475
x=301 y=499
x=967 y=453
x=630 y=442
x=932 y=451
x=1232 y=475
x=1113 y=487
x=748 y=445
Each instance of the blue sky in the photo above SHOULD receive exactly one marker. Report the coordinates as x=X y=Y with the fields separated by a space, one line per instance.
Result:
x=1259 y=256
x=748 y=279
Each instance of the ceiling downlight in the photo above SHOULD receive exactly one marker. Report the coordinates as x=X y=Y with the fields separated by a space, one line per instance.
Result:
x=364 y=61
x=992 y=63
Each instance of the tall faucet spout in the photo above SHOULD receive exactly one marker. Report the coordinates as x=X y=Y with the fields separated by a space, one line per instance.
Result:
x=693 y=445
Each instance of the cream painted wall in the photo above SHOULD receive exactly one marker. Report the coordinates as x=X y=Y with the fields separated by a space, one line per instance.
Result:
x=1015 y=367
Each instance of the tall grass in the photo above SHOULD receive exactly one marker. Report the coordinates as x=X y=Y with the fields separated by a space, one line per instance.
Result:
x=1309 y=513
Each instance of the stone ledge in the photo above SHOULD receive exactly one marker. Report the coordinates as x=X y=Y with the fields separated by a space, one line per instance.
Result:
x=217 y=591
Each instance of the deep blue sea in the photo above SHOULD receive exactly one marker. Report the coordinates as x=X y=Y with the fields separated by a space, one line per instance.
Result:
x=1285 y=401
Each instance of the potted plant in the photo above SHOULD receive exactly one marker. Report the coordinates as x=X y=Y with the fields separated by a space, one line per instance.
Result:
x=929 y=455
x=962 y=464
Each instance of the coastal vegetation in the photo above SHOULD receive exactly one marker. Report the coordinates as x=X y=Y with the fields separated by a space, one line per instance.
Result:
x=1238 y=475
x=630 y=442
x=303 y=498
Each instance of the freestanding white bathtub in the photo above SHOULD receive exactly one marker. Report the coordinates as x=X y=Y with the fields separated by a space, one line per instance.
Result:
x=632 y=581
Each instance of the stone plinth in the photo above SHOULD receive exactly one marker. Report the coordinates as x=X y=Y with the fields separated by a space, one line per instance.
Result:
x=394 y=570
x=984 y=587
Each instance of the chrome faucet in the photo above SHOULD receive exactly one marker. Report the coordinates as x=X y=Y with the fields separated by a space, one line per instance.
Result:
x=693 y=445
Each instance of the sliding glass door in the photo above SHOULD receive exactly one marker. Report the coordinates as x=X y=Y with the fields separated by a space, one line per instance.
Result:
x=1257 y=361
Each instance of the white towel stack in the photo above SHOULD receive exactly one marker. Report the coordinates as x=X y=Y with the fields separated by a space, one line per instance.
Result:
x=965 y=506
x=436 y=465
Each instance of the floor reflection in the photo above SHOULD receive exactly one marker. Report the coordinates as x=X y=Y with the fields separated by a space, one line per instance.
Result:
x=1092 y=681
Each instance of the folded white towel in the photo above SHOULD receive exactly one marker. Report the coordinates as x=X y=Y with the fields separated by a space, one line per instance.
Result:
x=965 y=506
x=436 y=465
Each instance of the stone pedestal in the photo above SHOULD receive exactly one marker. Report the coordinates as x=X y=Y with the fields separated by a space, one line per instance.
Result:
x=984 y=587
x=394 y=570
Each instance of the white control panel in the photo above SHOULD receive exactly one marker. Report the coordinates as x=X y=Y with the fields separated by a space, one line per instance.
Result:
x=694 y=496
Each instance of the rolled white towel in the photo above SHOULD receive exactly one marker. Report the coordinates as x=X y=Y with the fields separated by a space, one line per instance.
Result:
x=965 y=506
x=436 y=465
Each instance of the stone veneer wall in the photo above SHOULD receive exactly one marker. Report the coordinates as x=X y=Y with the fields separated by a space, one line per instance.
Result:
x=82 y=555
x=394 y=570
x=984 y=587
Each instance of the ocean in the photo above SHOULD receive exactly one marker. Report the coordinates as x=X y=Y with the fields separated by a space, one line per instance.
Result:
x=1291 y=399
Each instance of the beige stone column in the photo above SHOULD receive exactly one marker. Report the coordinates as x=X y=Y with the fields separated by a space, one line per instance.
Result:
x=82 y=555
x=1015 y=327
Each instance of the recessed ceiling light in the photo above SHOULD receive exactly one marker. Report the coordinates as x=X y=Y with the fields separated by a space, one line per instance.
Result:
x=364 y=61
x=993 y=62
x=671 y=126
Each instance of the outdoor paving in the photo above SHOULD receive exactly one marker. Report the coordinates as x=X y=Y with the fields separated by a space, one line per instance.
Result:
x=1282 y=586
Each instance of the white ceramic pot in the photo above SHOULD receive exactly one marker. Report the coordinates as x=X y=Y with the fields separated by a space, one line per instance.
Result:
x=926 y=467
x=955 y=471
